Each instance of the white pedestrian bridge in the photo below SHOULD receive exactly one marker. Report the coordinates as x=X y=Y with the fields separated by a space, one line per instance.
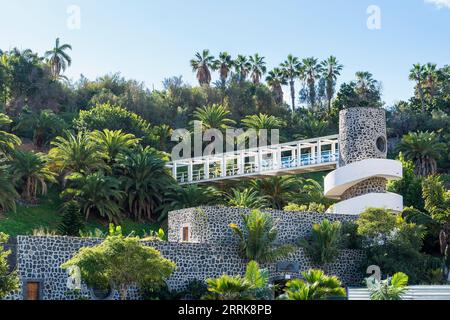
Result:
x=303 y=156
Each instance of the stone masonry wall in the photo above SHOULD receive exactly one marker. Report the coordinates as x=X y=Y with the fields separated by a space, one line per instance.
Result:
x=211 y=224
x=40 y=259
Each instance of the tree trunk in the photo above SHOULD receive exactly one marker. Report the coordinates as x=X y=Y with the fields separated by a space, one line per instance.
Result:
x=422 y=99
x=123 y=292
x=292 y=94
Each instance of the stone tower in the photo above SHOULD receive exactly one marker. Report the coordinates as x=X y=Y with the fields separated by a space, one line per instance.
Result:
x=363 y=172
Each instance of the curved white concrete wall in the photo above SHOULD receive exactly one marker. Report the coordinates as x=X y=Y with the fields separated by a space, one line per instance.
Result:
x=343 y=178
x=359 y=204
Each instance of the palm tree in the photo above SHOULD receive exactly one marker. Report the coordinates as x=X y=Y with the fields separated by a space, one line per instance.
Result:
x=364 y=82
x=46 y=125
x=257 y=237
x=202 y=64
x=190 y=196
x=254 y=285
x=8 y=193
x=417 y=74
x=258 y=68
x=291 y=70
x=58 y=58
x=423 y=148
x=31 y=173
x=242 y=67
x=76 y=153
x=315 y=286
x=224 y=65
x=145 y=179
x=8 y=141
x=278 y=190
x=112 y=143
x=390 y=289
x=312 y=70
x=246 y=198
x=96 y=193
x=262 y=121
x=331 y=70
x=431 y=78
x=214 y=117
x=276 y=79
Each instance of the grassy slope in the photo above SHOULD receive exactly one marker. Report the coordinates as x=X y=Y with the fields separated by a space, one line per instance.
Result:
x=46 y=216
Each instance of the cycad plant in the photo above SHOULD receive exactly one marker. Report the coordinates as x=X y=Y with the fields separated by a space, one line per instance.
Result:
x=257 y=237
x=113 y=142
x=8 y=141
x=96 y=193
x=390 y=289
x=315 y=286
x=323 y=243
x=31 y=173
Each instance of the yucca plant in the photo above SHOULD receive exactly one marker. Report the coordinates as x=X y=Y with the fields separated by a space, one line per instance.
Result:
x=392 y=288
x=257 y=238
x=315 y=286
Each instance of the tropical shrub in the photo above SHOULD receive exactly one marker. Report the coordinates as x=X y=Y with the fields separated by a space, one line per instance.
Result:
x=324 y=242
x=315 y=286
x=257 y=237
x=8 y=141
x=121 y=262
x=9 y=281
x=112 y=143
x=312 y=207
x=253 y=286
x=393 y=244
x=277 y=190
x=393 y=288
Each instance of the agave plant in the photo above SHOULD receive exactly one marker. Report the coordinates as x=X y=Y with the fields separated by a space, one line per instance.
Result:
x=315 y=286
x=257 y=238
x=392 y=288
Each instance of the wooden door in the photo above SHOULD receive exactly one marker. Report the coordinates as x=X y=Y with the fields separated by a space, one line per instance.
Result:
x=32 y=291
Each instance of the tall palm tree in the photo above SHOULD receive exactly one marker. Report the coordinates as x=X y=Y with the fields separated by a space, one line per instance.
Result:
x=58 y=58
x=312 y=70
x=202 y=64
x=257 y=238
x=431 y=78
x=364 y=81
x=76 y=153
x=224 y=65
x=331 y=70
x=214 y=117
x=145 y=180
x=258 y=68
x=276 y=79
x=291 y=69
x=112 y=143
x=31 y=173
x=242 y=67
x=423 y=148
x=417 y=74
x=96 y=193
x=8 y=193
x=8 y=141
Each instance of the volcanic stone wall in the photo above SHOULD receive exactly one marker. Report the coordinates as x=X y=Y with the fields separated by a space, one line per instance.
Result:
x=40 y=258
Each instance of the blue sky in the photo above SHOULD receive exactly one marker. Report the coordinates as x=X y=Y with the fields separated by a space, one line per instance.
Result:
x=149 y=40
